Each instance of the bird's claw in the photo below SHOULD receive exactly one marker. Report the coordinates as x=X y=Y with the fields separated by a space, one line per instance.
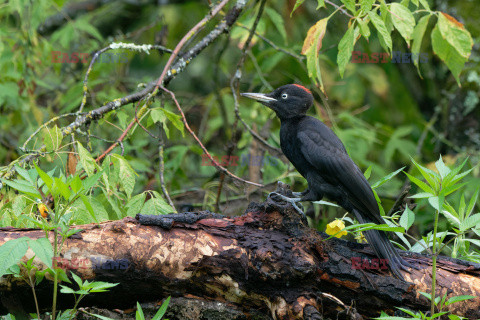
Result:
x=292 y=201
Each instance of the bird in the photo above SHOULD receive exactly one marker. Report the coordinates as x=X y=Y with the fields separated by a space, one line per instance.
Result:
x=321 y=158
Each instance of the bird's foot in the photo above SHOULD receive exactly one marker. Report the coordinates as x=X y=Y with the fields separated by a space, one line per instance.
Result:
x=292 y=201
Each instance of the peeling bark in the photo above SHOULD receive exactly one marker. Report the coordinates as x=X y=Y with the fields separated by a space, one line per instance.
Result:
x=267 y=260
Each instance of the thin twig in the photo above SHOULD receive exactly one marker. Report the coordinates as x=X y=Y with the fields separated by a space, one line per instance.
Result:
x=233 y=143
x=160 y=85
x=271 y=43
x=339 y=8
x=259 y=71
x=98 y=53
x=162 y=167
x=215 y=163
x=24 y=147
x=222 y=27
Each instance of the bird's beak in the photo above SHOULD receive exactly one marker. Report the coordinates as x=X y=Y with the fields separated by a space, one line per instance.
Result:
x=260 y=97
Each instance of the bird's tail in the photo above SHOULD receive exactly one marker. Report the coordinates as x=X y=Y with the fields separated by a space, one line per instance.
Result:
x=383 y=248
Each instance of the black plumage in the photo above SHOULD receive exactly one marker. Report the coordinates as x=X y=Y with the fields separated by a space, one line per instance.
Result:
x=321 y=158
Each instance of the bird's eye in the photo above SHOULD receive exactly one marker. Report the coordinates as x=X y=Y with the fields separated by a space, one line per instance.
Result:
x=284 y=96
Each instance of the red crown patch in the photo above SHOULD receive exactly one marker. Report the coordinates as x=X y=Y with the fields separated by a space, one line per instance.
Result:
x=302 y=87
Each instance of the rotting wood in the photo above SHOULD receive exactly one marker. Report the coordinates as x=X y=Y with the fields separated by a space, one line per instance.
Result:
x=267 y=260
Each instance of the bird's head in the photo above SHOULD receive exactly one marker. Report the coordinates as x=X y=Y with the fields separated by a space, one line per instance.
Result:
x=287 y=101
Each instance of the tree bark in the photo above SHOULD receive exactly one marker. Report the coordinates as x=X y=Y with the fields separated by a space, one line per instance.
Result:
x=267 y=260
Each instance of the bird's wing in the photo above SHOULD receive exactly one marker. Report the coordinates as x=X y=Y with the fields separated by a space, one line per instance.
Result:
x=326 y=153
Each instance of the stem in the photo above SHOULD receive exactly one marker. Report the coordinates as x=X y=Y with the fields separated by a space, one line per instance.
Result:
x=55 y=279
x=434 y=264
x=32 y=285
x=74 y=310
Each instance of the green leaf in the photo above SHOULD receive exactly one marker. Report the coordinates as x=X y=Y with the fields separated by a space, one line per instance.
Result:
x=454 y=172
x=471 y=203
x=388 y=177
x=474 y=241
x=99 y=286
x=366 y=5
x=78 y=280
x=161 y=312
x=460 y=176
x=43 y=250
x=135 y=204
x=437 y=203
x=176 y=120
x=24 y=174
x=44 y=176
x=382 y=31
x=139 y=314
x=11 y=252
x=156 y=206
x=86 y=26
x=425 y=4
x=278 y=22
x=446 y=191
x=420 y=183
x=18 y=205
x=158 y=115
x=364 y=29
x=24 y=187
x=429 y=175
x=67 y=290
x=470 y=222
x=100 y=317
x=321 y=3
x=368 y=172
x=448 y=54
x=126 y=174
x=91 y=181
x=455 y=33
x=403 y=21
x=98 y=207
x=409 y=312
x=89 y=207
x=345 y=48
x=114 y=204
x=382 y=227
x=383 y=10
x=443 y=170
x=458 y=299
x=350 y=5
x=295 y=7
x=52 y=138
x=451 y=218
x=86 y=159
x=422 y=195
x=161 y=207
x=60 y=187
x=417 y=37
x=407 y=218
x=76 y=184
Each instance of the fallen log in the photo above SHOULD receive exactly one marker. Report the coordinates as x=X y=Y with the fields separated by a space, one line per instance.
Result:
x=267 y=260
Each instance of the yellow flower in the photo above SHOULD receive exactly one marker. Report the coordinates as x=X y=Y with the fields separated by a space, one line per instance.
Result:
x=334 y=227
x=43 y=210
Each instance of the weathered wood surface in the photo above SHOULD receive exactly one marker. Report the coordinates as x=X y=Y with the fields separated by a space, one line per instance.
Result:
x=267 y=260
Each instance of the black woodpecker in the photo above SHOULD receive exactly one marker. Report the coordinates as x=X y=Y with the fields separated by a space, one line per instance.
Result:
x=320 y=157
